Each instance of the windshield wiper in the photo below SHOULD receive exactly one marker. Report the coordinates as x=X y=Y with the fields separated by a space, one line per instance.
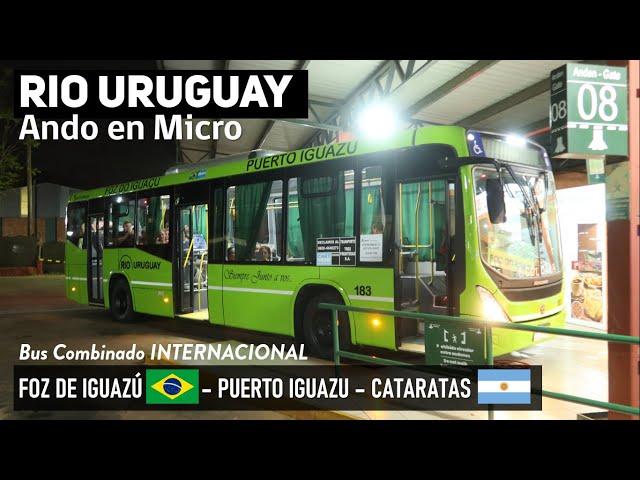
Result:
x=532 y=212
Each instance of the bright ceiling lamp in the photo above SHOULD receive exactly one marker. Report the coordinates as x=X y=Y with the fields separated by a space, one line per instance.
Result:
x=516 y=140
x=377 y=121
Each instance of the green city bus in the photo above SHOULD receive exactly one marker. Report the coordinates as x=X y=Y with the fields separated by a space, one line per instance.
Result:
x=437 y=219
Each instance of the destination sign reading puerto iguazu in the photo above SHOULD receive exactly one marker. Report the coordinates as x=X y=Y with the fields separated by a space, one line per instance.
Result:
x=323 y=152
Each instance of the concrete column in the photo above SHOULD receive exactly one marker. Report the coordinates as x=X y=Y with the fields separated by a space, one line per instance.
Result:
x=623 y=245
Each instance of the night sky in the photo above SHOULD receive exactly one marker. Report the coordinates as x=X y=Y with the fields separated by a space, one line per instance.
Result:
x=89 y=164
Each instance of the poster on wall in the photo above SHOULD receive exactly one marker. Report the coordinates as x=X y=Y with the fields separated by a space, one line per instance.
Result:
x=583 y=231
x=586 y=275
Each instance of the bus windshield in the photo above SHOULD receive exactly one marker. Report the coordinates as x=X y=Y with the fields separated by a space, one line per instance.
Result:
x=526 y=245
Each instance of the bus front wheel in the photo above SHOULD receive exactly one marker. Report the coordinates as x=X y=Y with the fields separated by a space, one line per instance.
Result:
x=121 y=302
x=316 y=326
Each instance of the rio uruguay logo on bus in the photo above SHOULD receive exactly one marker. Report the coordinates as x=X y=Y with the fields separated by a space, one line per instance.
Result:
x=126 y=263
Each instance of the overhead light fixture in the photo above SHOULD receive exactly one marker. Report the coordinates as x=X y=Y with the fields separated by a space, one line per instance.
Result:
x=377 y=121
x=516 y=140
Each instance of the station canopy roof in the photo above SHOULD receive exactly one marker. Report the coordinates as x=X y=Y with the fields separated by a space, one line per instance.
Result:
x=510 y=96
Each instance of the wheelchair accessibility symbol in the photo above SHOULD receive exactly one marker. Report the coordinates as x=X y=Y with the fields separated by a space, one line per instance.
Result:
x=474 y=142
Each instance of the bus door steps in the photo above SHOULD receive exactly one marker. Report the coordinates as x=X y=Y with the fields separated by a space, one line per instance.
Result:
x=412 y=306
x=414 y=344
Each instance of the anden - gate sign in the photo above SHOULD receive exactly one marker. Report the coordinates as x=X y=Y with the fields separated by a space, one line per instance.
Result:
x=588 y=111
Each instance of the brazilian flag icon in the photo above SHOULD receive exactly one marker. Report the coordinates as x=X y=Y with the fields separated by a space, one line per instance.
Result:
x=173 y=386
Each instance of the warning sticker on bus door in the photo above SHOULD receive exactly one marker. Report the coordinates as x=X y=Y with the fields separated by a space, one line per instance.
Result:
x=336 y=251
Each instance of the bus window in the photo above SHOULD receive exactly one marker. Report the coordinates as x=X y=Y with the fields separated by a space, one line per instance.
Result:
x=423 y=206
x=121 y=217
x=318 y=207
x=153 y=220
x=76 y=229
x=372 y=216
x=216 y=239
x=254 y=215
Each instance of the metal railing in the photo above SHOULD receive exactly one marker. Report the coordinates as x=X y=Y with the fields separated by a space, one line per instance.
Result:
x=489 y=326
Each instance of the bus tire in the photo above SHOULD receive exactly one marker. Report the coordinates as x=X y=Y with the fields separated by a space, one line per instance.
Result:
x=121 y=302
x=316 y=326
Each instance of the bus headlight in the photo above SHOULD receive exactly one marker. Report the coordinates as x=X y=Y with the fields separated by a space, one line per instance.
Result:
x=491 y=309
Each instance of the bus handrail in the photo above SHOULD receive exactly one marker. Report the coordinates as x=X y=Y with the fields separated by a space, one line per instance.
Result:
x=186 y=260
x=478 y=322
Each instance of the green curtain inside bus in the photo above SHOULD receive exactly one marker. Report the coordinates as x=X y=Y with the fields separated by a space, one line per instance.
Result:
x=251 y=205
x=216 y=232
x=295 y=247
x=154 y=219
x=324 y=214
x=439 y=193
x=417 y=195
x=184 y=221
x=370 y=208
x=348 y=215
x=201 y=221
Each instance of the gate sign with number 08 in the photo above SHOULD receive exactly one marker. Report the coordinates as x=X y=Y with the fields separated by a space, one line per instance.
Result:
x=588 y=111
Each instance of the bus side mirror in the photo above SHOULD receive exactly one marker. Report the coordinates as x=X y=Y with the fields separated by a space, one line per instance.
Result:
x=495 y=201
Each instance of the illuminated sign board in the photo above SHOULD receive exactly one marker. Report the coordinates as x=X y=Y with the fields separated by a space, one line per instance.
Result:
x=588 y=111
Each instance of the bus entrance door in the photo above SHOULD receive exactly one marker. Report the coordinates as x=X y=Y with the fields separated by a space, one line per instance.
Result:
x=422 y=239
x=193 y=224
x=95 y=250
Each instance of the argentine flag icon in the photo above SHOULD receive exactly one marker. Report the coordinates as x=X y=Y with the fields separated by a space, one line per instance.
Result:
x=505 y=386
